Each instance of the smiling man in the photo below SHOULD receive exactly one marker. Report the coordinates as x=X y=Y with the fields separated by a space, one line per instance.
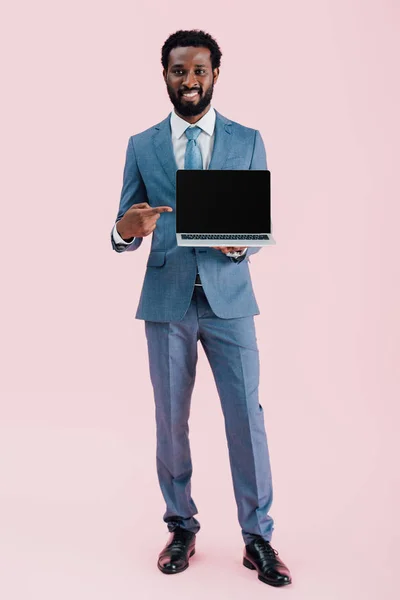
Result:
x=190 y=94
x=192 y=294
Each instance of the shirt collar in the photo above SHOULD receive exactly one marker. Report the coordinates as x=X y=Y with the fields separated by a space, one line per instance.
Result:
x=206 y=123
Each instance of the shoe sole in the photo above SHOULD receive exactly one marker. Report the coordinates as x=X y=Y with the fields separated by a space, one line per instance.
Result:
x=166 y=572
x=250 y=565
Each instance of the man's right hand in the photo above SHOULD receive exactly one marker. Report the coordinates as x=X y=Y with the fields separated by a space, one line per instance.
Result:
x=140 y=220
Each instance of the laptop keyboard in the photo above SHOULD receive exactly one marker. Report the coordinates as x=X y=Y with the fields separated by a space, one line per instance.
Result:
x=224 y=236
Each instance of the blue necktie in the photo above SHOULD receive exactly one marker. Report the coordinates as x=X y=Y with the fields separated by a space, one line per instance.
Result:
x=193 y=158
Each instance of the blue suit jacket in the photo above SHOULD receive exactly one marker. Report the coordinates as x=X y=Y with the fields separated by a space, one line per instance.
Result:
x=149 y=176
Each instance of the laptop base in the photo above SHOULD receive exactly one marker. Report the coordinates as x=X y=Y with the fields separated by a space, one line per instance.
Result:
x=206 y=241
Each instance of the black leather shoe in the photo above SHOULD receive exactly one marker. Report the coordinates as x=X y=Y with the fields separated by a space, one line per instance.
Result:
x=174 y=558
x=260 y=556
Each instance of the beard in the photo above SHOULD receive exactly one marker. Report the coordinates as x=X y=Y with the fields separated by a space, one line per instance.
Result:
x=190 y=109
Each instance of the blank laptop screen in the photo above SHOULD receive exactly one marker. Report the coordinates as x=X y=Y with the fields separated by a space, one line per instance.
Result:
x=223 y=201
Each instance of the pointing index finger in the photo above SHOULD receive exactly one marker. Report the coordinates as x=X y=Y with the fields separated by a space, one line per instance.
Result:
x=158 y=209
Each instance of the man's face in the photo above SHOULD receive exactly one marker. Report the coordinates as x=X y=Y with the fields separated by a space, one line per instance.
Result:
x=190 y=70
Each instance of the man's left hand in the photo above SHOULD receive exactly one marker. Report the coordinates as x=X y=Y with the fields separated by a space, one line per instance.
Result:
x=226 y=249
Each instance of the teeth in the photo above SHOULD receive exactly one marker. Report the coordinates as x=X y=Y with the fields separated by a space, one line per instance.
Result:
x=190 y=94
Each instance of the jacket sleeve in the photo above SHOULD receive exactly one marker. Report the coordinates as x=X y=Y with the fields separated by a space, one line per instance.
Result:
x=133 y=192
x=258 y=161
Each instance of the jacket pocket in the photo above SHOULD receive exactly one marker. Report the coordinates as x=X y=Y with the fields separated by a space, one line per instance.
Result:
x=234 y=164
x=156 y=258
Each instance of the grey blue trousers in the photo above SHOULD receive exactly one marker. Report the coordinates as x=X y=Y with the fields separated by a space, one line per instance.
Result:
x=231 y=349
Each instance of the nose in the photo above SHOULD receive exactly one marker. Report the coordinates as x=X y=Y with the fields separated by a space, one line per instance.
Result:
x=190 y=79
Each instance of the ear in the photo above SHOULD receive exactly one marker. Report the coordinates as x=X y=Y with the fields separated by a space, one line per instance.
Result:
x=165 y=75
x=216 y=74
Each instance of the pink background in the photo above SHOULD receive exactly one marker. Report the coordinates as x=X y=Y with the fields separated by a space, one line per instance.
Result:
x=80 y=507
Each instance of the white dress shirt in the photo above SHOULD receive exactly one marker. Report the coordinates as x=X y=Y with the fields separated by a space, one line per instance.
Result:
x=179 y=141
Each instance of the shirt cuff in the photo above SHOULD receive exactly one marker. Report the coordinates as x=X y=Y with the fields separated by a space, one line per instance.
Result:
x=118 y=239
x=235 y=254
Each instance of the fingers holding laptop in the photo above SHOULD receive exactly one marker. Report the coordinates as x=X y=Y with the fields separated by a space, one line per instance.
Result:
x=226 y=249
x=140 y=220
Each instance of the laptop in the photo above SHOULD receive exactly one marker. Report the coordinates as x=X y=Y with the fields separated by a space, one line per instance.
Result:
x=223 y=207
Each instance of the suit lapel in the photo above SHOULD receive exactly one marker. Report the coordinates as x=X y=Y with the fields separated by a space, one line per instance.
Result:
x=164 y=150
x=222 y=142
x=165 y=153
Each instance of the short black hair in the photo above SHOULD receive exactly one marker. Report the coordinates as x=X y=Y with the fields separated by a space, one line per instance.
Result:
x=191 y=37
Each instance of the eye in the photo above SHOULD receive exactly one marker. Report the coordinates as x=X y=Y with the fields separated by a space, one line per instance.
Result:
x=180 y=72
